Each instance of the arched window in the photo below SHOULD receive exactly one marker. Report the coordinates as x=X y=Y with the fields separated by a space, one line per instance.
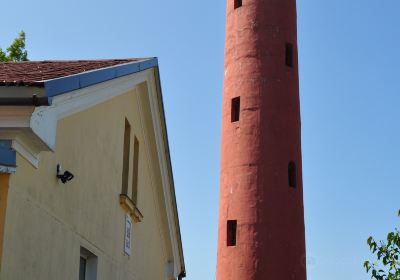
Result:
x=292 y=174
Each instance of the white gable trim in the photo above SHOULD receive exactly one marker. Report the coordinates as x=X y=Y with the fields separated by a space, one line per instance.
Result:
x=28 y=154
x=158 y=118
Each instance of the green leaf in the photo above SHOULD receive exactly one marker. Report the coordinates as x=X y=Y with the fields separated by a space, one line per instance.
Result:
x=387 y=254
x=369 y=241
x=384 y=261
x=16 y=51
x=367 y=266
x=3 y=56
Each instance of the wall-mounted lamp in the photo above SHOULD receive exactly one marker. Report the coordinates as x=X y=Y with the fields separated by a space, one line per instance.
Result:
x=64 y=177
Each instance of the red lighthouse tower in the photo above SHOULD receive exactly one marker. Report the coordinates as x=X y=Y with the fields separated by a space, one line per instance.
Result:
x=261 y=219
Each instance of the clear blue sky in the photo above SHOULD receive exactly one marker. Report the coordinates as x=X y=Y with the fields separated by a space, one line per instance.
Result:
x=350 y=95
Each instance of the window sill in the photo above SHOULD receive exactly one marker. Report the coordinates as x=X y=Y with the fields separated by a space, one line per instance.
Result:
x=130 y=207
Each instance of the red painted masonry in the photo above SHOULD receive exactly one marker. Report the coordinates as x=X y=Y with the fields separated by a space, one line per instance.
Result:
x=261 y=168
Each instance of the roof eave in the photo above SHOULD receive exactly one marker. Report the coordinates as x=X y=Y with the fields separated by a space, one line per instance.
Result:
x=41 y=93
x=62 y=85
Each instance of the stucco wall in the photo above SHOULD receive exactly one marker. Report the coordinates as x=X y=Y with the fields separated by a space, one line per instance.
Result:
x=4 y=179
x=47 y=221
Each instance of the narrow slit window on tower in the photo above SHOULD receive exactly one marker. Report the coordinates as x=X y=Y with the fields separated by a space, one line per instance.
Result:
x=126 y=158
x=135 y=173
x=235 y=109
x=289 y=55
x=231 y=233
x=292 y=174
x=238 y=3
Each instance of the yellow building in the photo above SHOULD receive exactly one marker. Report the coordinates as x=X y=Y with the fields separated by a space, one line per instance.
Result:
x=86 y=185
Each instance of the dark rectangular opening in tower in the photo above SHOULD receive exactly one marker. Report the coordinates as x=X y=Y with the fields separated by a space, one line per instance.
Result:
x=289 y=55
x=292 y=174
x=231 y=233
x=238 y=3
x=235 y=109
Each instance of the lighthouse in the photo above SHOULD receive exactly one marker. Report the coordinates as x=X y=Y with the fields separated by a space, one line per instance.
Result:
x=261 y=232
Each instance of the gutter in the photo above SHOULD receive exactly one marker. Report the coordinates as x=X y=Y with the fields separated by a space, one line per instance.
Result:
x=25 y=101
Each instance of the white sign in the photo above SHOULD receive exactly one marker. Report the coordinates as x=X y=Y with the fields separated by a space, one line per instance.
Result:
x=128 y=235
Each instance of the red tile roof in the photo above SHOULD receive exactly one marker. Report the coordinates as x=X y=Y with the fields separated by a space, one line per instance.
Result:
x=33 y=73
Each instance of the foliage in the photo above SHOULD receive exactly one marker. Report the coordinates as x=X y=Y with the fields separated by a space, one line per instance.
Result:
x=387 y=265
x=3 y=56
x=16 y=51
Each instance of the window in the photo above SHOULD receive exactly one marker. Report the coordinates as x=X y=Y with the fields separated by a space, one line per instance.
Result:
x=87 y=265
x=130 y=174
x=238 y=3
x=235 y=109
x=135 y=170
x=231 y=233
x=82 y=268
x=289 y=55
x=126 y=157
x=292 y=174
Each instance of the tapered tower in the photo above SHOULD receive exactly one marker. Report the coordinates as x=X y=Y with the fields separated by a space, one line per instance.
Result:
x=261 y=218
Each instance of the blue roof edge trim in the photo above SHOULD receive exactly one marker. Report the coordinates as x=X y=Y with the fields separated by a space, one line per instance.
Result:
x=8 y=156
x=70 y=83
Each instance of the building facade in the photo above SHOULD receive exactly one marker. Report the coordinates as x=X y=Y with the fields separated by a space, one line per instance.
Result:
x=261 y=218
x=86 y=185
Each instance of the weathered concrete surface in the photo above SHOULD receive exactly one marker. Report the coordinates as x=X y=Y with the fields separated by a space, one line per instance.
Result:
x=257 y=150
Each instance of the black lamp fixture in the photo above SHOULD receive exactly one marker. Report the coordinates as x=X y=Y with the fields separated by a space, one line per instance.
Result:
x=64 y=177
